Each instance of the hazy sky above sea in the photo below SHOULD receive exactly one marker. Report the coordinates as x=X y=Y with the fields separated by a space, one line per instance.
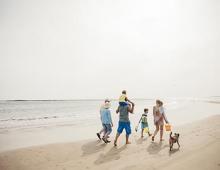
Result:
x=75 y=49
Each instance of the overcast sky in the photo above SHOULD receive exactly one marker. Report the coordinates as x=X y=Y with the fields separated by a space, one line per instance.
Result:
x=75 y=49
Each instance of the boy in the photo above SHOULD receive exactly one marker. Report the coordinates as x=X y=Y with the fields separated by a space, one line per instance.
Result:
x=144 y=123
x=123 y=100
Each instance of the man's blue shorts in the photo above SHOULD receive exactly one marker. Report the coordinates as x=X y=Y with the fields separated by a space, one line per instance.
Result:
x=124 y=125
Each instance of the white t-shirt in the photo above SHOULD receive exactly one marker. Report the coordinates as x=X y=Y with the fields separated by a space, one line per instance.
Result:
x=161 y=109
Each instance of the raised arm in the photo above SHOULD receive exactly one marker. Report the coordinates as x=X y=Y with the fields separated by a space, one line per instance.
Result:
x=117 y=111
x=128 y=100
x=131 y=108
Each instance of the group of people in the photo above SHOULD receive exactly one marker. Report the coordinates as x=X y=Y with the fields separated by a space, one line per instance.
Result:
x=124 y=109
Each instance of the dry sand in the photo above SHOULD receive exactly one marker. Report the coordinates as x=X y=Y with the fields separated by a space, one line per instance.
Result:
x=200 y=149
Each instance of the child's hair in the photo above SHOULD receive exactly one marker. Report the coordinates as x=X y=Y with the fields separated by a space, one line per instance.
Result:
x=124 y=92
x=146 y=110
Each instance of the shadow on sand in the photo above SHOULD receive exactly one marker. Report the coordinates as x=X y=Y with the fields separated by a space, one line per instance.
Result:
x=112 y=154
x=141 y=140
x=92 y=147
x=173 y=151
x=155 y=148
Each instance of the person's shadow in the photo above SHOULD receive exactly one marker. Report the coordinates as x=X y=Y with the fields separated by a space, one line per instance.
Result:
x=173 y=151
x=92 y=147
x=155 y=148
x=112 y=154
x=140 y=140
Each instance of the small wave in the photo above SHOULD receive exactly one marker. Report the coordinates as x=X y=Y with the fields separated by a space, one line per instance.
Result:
x=25 y=119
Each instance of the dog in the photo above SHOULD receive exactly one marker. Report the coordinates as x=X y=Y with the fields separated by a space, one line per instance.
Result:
x=174 y=139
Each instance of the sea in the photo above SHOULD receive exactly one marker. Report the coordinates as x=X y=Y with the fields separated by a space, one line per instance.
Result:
x=66 y=120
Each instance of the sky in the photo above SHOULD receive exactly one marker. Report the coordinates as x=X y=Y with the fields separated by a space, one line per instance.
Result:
x=93 y=49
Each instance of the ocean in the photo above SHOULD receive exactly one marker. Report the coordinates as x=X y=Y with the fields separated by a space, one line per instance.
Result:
x=28 y=123
x=30 y=114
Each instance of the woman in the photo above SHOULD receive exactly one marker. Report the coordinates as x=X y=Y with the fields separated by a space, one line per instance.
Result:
x=159 y=118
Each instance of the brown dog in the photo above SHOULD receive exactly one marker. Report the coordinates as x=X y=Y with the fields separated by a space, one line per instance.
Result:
x=174 y=139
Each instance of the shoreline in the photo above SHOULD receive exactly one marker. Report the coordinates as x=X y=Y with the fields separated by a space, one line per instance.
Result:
x=199 y=140
x=58 y=130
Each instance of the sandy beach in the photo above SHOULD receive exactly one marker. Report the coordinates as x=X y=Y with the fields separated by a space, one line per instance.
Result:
x=75 y=74
x=199 y=140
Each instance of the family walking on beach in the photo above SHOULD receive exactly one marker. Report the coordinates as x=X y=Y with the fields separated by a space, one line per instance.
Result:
x=125 y=108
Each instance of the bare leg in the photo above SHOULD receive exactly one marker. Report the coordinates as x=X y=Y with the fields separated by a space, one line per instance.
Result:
x=102 y=130
x=127 y=139
x=106 y=136
x=157 y=129
x=155 y=132
x=116 y=139
x=161 y=132
x=142 y=133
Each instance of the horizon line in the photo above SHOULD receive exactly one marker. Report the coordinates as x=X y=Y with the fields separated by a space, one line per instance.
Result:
x=97 y=99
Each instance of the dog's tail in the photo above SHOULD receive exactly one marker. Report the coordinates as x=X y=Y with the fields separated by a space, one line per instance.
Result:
x=171 y=134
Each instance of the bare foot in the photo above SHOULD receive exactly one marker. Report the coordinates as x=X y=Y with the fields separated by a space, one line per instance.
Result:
x=161 y=140
x=142 y=136
x=150 y=134
x=115 y=143
x=127 y=143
